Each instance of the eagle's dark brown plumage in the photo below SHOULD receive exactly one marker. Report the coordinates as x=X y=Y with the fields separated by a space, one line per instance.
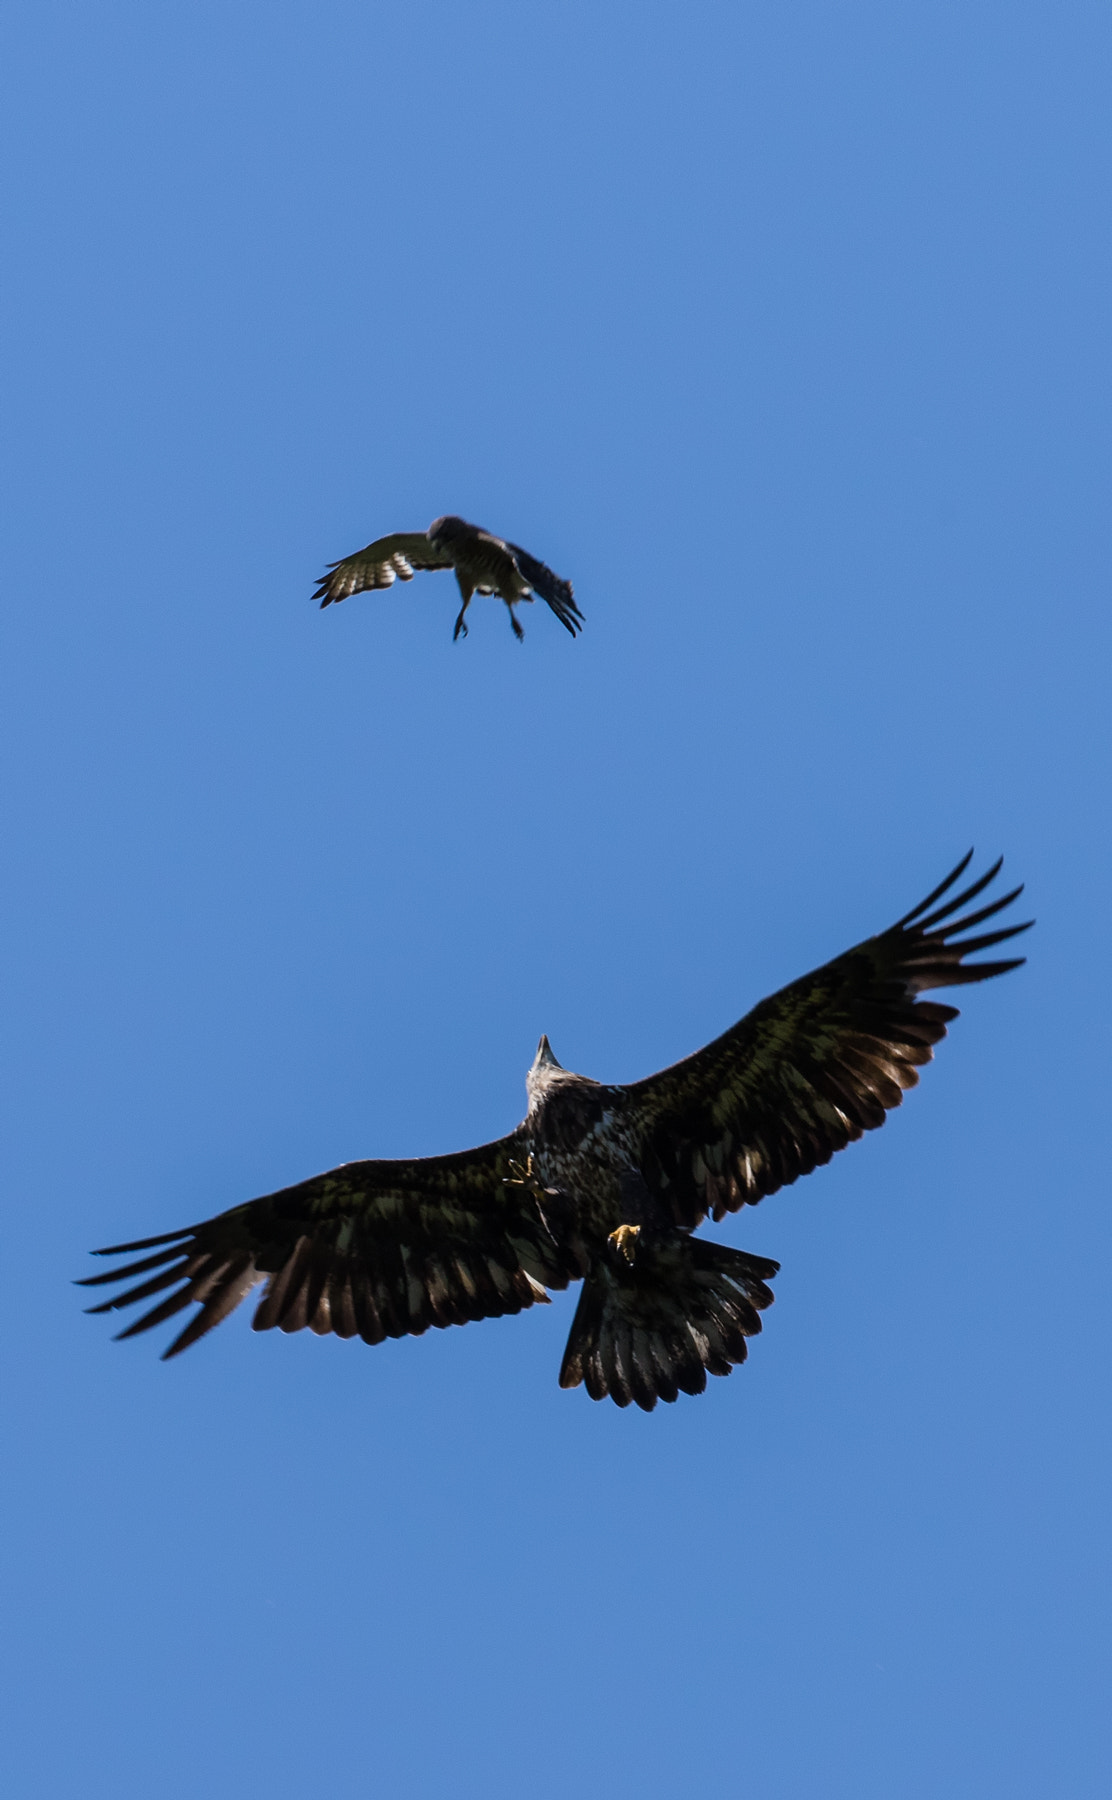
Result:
x=600 y=1182
x=484 y=564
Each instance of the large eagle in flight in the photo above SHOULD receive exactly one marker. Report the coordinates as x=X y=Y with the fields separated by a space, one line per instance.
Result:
x=484 y=564
x=599 y=1182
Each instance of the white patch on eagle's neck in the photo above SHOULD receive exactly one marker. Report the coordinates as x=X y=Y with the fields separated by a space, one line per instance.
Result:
x=545 y=1074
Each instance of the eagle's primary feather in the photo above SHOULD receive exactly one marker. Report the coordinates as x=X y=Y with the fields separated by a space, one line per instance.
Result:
x=599 y=1181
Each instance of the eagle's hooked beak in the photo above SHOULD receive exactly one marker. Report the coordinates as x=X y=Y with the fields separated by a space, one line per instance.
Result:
x=624 y=1241
x=544 y=1057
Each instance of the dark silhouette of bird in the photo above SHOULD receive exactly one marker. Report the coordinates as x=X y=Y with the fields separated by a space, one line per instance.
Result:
x=599 y=1182
x=484 y=564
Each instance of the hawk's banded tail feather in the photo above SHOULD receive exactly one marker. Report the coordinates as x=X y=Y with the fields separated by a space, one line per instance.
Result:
x=647 y=1330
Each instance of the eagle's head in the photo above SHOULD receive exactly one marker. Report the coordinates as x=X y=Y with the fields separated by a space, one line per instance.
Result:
x=547 y=1077
x=540 y=1077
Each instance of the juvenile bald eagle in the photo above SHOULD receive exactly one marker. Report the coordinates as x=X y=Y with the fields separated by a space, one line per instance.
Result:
x=484 y=564
x=604 y=1183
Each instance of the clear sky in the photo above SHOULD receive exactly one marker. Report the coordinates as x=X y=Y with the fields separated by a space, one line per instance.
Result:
x=782 y=329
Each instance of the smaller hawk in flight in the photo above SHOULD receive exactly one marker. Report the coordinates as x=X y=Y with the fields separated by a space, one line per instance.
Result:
x=484 y=564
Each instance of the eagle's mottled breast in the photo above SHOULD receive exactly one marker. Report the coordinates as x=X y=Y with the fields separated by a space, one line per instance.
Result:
x=582 y=1141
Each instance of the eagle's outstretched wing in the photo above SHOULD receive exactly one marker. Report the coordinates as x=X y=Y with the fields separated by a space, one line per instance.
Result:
x=379 y=566
x=814 y=1066
x=550 y=586
x=372 y=1249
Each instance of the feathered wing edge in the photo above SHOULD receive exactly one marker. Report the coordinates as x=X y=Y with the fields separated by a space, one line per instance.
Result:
x=379 y=565
x=381 y=1261
x=816 y=1065
x=550 y=586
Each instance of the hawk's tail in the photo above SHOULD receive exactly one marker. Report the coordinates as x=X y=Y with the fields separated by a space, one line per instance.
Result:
x=551 y=587
x=648 y=1327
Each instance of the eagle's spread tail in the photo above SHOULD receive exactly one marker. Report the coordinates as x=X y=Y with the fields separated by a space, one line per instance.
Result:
x=653 y=1320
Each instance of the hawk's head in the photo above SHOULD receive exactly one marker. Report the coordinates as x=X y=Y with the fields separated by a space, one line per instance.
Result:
x=444 y=533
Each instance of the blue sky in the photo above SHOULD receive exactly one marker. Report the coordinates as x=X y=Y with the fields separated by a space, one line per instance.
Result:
x=783 y=331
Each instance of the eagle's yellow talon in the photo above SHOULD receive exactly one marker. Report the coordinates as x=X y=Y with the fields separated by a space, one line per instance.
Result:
x=625 y=1240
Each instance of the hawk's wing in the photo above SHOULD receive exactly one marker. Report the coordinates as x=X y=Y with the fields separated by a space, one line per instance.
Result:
x=550 y=586
x=814 y=1066
x=374 y=1249
x=379 y=566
